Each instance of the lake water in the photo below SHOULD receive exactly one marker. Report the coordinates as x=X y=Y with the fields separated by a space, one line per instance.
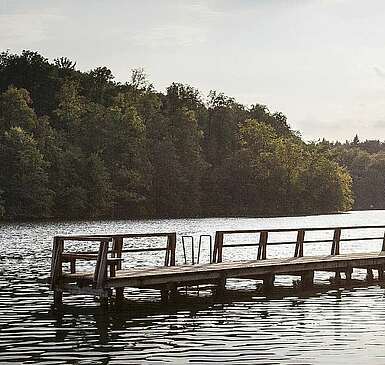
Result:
x=334 y=326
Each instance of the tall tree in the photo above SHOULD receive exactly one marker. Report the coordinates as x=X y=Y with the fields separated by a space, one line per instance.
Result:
x=25 y=185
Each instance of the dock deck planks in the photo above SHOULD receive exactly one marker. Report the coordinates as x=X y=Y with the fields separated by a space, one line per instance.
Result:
x=235 y=269
x=108 y=274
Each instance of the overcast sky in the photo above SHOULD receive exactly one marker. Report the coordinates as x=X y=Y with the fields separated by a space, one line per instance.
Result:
x=321 y=62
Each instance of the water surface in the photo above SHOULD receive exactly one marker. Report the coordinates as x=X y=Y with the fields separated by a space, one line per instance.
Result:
x=326 y=327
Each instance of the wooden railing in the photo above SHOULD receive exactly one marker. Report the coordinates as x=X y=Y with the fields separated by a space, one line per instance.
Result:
x=106 y=257
x=263 y=242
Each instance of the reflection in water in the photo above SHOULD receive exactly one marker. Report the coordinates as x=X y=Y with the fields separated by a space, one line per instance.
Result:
x=323 y=326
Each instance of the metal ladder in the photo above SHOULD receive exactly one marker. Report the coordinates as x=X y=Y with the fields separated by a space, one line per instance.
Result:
x=191 y=240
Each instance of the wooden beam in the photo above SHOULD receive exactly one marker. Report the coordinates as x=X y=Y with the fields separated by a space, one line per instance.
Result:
x=218 y=247
x=101 y=265
x=263 y=236
x=58 y=298
x=381 y=273
x=307 y=279
x=56 y=262
x=383 y=244
x=117 y=247
x=348 y=274
x=169 y=259
x=268 y=282
x=336 y=242
x=369 y=275
x=299 y=245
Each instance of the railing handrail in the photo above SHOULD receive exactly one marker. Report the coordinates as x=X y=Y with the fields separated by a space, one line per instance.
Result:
x=305 y=241
x=238 y=231
x=100 y=273
x=300 y=241
x=92 y=237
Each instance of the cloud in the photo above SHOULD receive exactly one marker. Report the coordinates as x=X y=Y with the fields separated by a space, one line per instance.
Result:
x=201 y=8
x=169 y=35
x=379 y=72
x=25 y=29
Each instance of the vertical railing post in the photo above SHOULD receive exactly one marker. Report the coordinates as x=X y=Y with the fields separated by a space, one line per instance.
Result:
x=218 y=247
x=383 y=244
x=336 y=242
x=101 y=265
x=56 y=261
x=172 y=249
x=215 y=246
x=192 y=251
x=263 y=236
x=336 y=249
x=169 y=259
x=57 y=271
x=117 y=247
x=53 y=262
x=299 y=245
x=167 y=255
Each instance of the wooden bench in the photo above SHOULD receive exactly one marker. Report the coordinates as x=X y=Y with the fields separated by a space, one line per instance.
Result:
x=114 y=263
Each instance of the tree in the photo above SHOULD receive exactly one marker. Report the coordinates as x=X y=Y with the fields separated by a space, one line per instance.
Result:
x=25 y=185
x=101 y=148
x=186 y=138
x=2 y=208
x=99 y=86
x=16 y=111
x=32 y=72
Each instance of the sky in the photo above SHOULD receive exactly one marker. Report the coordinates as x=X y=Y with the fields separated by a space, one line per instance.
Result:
x=320 y=62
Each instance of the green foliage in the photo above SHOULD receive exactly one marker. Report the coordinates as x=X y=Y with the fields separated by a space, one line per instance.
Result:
x=25 y=182
x=2 y=208
x=364 y=161
x=32 y=72
x=15 y=110
x=271 y=174
x=79 y=144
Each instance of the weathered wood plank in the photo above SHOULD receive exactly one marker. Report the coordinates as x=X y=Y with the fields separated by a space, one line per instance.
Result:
x=56 y=262
x=151 y=276
x=336 y=242
x=170 y=276
x=101 y=265
x=262 y=245
x=299 y=245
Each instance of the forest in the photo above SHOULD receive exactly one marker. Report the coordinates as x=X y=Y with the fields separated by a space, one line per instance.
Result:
x=77 y=144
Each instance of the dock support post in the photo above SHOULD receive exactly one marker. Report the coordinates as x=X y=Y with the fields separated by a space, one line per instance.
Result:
x=169 y=293
x=73 y=266
x=104 y=303
x=58 y=298
x=220 y=286
x=164 y=292
x=369 y=275
x=119 y=292
x=268 y=282
x=307 y=279
x=104 y=300
x=348 y=275
x=337 y=277
x=173 y=292
x=381 y=273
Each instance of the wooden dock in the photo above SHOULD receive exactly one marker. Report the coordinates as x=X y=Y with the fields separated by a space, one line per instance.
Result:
x=108 y=276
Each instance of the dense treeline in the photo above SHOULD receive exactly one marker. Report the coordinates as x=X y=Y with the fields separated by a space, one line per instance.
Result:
x=79 y=144
x=365 y=162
